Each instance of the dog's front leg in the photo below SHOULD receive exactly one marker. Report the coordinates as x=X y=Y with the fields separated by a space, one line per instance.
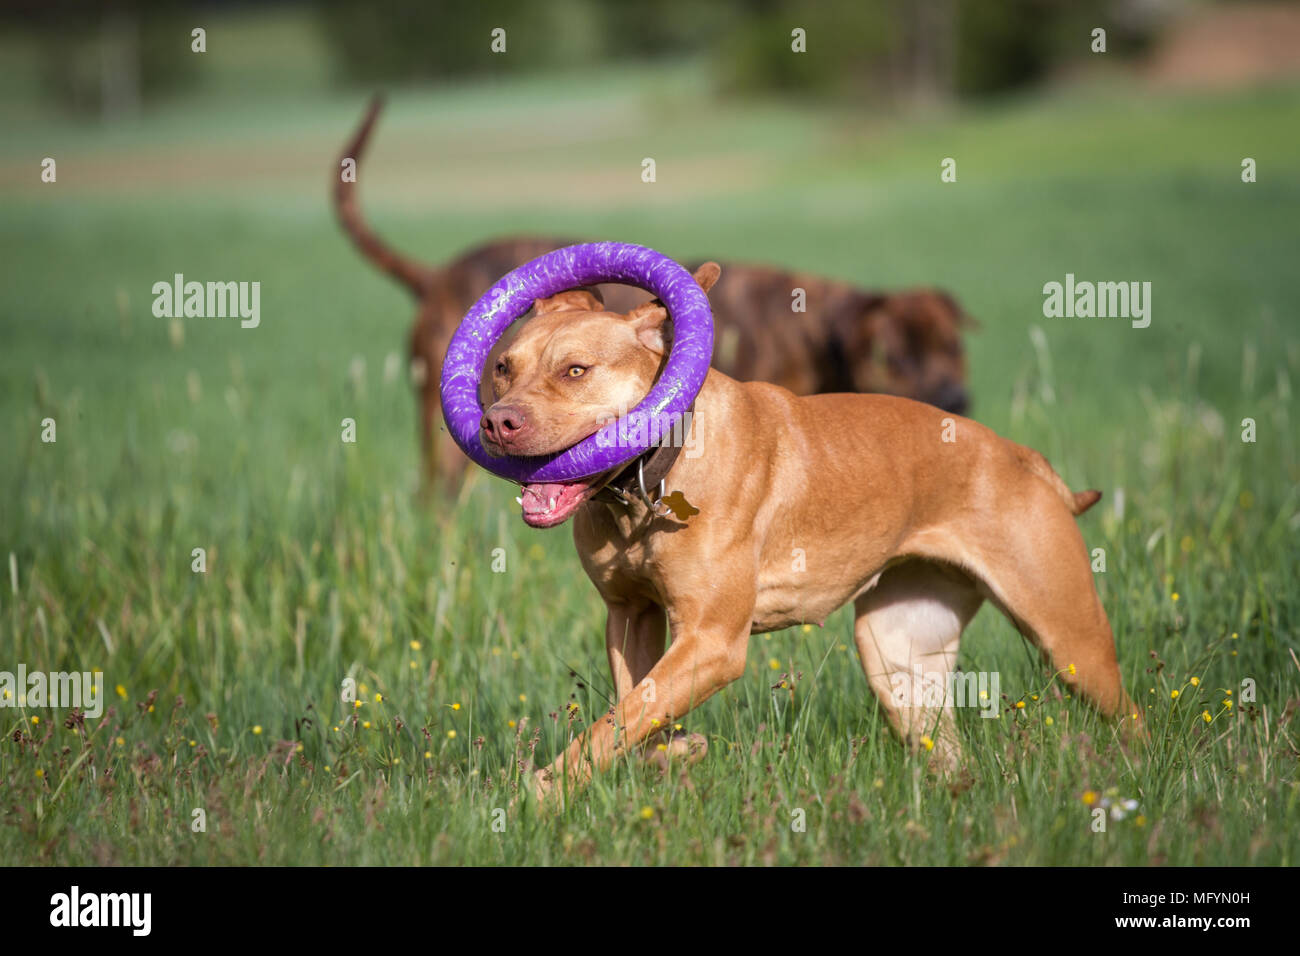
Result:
x=702 y=660
x=634 y=643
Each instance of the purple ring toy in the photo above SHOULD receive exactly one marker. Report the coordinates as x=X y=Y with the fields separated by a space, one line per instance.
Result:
x=513 y=295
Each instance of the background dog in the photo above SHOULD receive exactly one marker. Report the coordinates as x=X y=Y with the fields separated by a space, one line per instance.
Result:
x=846 y=339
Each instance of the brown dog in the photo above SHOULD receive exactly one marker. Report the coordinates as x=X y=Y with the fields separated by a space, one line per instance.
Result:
x=844 y=340
x=797 y=506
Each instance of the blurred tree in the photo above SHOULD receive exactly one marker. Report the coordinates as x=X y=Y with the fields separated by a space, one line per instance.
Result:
x=850 y=46
x=663 y=29
x=109 y=58
x=1013 y=43
x=919 y=50
x=417 y=39
x=1006 y=44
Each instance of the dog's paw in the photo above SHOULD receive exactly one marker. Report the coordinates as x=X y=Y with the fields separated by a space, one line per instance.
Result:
x=546 y=792
x=681 y=748
x=1133 y=732
x=942 y=757
x=542 y=785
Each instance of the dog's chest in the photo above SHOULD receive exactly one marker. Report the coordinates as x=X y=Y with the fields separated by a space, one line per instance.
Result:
x=620 y=558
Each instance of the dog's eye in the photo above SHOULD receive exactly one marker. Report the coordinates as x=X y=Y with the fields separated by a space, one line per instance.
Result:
x=576 y=371
x=501 y=368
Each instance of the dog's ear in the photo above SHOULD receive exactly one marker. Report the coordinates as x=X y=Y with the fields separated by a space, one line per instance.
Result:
x=648 y=318
x=571 y=300
x=961 y=317
x=707 y=275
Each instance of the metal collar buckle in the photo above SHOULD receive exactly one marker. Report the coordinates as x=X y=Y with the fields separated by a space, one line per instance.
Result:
x=645 y=495
x=653 y=504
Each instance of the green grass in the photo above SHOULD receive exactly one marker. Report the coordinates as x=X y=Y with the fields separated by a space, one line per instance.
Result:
x=321 y=564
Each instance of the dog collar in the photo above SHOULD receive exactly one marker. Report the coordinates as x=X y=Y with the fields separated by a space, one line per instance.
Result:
x=644 y=478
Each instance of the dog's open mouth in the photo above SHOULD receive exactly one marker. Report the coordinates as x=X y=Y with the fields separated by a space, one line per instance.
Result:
x=547 y=504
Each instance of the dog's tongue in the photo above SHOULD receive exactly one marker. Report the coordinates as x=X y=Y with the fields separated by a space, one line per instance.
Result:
x=546 y=504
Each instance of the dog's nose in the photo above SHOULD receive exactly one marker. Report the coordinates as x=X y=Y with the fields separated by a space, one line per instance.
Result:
x=952 y=397
x=503 y=423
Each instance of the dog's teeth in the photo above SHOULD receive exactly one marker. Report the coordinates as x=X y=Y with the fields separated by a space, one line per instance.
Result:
x=519 y=501
x=550 y=505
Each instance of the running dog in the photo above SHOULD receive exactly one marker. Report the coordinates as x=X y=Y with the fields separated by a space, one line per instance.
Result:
x=794 y=507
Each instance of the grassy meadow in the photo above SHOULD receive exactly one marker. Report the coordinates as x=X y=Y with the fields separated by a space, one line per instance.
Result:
x=223 y=687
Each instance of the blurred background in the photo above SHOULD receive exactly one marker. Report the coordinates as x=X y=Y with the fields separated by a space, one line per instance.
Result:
x=1120 y=165
x=113 y=60
x=178 y=433
x=1116 y=165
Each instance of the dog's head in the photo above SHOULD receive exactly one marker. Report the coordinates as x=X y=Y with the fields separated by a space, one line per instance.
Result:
x=572 y=368
x=909 y=343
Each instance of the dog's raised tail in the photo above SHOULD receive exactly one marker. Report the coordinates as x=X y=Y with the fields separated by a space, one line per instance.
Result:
x=1083 y=500
x=1077 y=501
x=411 y=274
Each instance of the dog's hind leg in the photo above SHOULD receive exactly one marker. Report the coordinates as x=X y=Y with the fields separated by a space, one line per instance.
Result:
x=907 y=631
x=1036 y=571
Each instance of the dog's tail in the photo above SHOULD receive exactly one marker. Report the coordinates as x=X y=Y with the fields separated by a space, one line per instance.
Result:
x=411 y=274
x=1077 y=501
